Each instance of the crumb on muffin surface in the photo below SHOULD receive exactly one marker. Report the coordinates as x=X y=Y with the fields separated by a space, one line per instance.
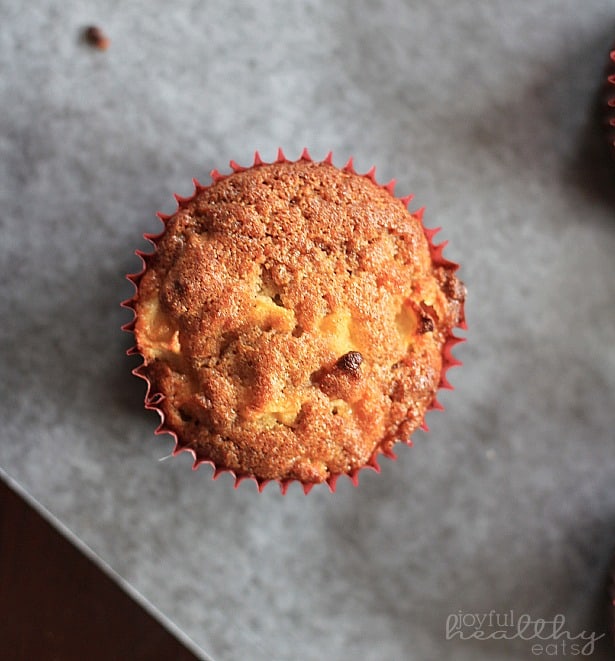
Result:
x=294 y=321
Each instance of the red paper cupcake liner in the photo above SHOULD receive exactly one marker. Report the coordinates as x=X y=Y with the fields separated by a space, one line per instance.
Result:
x=153 y=399
x=610 y=102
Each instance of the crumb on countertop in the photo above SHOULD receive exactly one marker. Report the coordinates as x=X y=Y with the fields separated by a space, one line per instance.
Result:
x=95 y=37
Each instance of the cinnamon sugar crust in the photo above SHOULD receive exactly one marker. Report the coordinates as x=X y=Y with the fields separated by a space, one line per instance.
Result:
x=294 y=322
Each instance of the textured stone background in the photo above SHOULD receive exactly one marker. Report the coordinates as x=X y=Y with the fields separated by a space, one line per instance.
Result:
x=484 y=109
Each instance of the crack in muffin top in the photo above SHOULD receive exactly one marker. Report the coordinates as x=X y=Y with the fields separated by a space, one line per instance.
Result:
x=293 y=321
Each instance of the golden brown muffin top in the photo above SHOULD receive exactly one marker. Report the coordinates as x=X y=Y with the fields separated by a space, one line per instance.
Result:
x=294 y=322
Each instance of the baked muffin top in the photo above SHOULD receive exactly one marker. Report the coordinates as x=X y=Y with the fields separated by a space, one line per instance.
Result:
x=293 y=321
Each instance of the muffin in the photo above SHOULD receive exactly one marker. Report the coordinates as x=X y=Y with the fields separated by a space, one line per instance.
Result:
x=610 y=101
x=294 y=322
